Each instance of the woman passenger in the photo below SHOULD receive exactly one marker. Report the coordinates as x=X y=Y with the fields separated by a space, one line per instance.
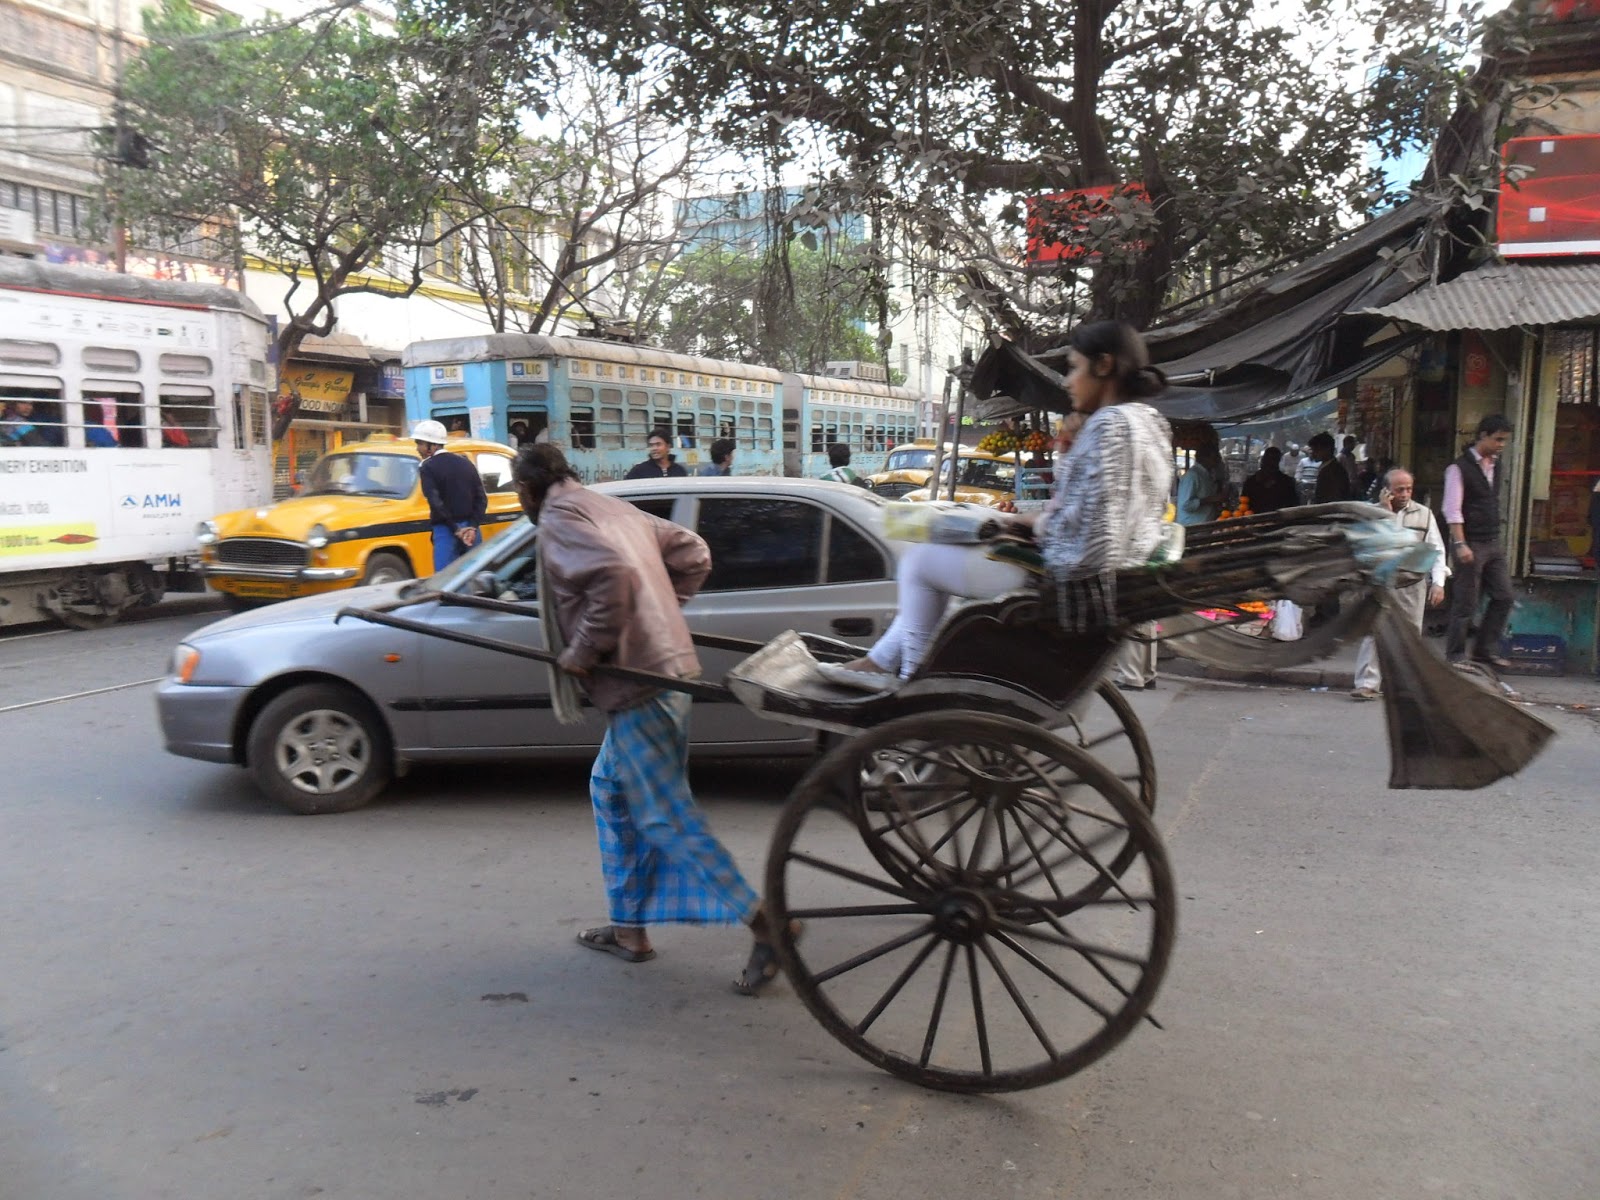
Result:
x=1111 y=491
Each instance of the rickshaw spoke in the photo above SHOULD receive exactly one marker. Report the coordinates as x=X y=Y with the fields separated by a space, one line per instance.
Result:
x=859 y=910
x=1055 y=977
x=1017 y=998
x=1099 y=967
x=1047 y=868
x=877 y=952
x=881 y=885
x=900 y=982
x=1070 y=943
x=1038 y=857
x=984 y=1055
x=938 y=1004
x=980 y=839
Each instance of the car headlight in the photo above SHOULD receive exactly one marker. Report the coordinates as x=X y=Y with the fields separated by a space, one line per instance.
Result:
x=206 y=532
x=318 y=537
x=185 y=662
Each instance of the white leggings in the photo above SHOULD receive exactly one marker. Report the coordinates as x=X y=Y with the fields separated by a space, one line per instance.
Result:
x=930 y=574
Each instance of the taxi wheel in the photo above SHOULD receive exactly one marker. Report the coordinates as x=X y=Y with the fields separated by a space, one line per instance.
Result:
x=319 y=748
x=239 y=604
x=386 y=568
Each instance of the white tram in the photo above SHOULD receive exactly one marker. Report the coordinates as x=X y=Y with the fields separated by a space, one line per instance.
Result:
x=133 y=409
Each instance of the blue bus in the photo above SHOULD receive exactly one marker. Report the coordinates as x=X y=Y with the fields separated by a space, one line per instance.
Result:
x=599 y=400
x=868 y=416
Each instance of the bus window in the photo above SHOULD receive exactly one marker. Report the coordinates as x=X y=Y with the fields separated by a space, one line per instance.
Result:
x=30 y=411
x=188 y=417
x=582 y=426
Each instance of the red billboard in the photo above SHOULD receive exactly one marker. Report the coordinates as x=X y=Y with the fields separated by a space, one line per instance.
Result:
x=1549 y=196
x=1077 y=226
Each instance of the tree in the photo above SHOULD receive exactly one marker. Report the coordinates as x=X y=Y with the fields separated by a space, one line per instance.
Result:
x=576 y=217
x=1249 y=135
x=710 y=307
x=337 y=148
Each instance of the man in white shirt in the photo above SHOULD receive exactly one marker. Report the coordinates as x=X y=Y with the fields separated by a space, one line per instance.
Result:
x=1415 y=599
x=1472 y=510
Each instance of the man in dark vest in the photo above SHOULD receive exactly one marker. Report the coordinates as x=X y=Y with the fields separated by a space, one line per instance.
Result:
x=1472 y=511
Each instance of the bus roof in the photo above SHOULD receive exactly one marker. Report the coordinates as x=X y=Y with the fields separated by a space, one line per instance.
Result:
x=28 y=274
x=496 y=347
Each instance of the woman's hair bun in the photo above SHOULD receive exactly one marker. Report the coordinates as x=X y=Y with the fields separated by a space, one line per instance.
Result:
x=1148 y=381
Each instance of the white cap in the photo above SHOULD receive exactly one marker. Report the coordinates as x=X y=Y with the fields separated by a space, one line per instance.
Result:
x=428 y=431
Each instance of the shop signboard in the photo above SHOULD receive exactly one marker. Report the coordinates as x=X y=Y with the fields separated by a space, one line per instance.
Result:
x=1550 y=197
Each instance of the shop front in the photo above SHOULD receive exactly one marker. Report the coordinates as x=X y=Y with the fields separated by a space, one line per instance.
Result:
x=340 y=392
x=1523 y=339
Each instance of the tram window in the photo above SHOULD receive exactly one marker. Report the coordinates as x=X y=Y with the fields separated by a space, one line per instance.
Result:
x=30 y=415
x=184 y=364
x=582 y=427
x=638 y=424
x=791 y=429
x=818 y=442
x=764 y=432
x=113 y=413
x=747 y=435
x=747 y=406
x=495 y=471
x=638 y=399
x=110 y=358
x=611 y=396
x=762 y=543
x=871 y=435
x=524 y=425
x=239 y=403
x=851 y=556
x=29 y=354
x=611 y=432
x=686 y=438
x=188 y=417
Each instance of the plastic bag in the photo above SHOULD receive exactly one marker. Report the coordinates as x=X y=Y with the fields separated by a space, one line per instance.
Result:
x=1285 y=625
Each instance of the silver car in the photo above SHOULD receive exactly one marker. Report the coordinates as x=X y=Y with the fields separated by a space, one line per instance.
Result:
x=324 y=714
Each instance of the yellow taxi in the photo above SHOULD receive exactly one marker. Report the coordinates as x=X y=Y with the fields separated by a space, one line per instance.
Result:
x=909 y=467
x=360 y=518
x=980 y=479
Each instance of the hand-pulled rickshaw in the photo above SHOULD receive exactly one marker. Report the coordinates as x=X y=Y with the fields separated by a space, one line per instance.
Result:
x=987 y=903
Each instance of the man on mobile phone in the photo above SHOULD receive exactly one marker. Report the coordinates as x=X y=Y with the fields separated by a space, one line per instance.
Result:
x=1398 y=486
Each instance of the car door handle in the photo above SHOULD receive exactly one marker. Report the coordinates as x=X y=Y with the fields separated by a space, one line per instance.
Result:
x=853 y=626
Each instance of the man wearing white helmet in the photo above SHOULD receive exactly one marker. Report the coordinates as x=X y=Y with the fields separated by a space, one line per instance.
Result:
x=456 y=499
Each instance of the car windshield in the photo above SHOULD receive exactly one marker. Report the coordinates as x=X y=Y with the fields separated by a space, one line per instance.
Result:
x=388 y=475
x=910 y=460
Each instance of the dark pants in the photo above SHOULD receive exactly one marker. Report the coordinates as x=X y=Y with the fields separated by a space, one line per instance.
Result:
x=1489 y=572
x=447 y=546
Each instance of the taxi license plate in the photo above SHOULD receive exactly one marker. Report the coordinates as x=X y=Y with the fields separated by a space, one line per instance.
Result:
x=263 y=590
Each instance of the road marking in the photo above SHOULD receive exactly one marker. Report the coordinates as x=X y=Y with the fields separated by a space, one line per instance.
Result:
x=115 y=687
x=7 y=639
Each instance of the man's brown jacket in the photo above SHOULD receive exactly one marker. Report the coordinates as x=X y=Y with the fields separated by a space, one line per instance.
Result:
x=621 y=578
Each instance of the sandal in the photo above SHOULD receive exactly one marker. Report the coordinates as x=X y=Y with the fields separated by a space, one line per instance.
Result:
x=604 y=938
x=762 y=967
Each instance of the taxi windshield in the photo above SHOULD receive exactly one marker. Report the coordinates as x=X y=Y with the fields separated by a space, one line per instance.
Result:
x=983 y=473
x=910 y=460
x=388 y=475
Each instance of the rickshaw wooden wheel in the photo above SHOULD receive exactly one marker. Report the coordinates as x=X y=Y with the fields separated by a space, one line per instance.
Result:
x=971 y=935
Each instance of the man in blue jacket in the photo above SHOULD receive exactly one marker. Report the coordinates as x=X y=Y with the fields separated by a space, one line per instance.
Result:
x=456 y=499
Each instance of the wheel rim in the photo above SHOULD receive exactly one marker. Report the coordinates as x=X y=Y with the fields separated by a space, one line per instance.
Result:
x=974 y=938
x=323 y=752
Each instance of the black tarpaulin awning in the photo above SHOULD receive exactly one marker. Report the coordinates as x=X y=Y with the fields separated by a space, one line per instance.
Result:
x=1294 y=336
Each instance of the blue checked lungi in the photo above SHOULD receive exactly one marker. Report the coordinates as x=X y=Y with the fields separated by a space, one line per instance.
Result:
x=660 y=861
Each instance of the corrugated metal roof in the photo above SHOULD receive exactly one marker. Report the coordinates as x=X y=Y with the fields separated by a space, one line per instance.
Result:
x=1502 y=296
